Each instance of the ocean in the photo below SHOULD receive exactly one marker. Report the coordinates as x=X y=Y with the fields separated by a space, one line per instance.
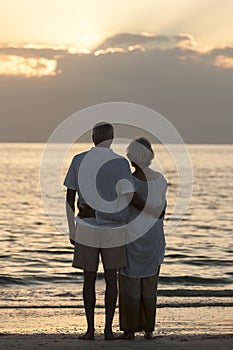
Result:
x=35 y=257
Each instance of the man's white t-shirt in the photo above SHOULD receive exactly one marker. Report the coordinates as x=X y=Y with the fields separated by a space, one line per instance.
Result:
x=102 y=178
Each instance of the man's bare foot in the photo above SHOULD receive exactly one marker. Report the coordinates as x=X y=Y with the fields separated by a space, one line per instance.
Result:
x=127 y=336
x=148 y=335
x=108 y=335
x=89 y=335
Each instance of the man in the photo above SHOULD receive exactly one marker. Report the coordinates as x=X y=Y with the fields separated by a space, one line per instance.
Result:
x=115 y=169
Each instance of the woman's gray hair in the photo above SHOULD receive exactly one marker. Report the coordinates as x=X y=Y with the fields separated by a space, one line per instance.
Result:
x=140 y=152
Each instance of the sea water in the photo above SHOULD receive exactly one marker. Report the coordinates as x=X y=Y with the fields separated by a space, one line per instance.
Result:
x=35 y=257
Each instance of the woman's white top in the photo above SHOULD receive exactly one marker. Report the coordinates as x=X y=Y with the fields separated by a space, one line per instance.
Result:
x=146 y=253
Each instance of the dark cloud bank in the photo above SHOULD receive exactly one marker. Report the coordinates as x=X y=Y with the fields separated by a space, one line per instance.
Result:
x=179 y=82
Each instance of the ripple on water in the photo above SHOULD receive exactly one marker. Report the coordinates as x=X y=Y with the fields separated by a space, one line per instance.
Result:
x=198 y=252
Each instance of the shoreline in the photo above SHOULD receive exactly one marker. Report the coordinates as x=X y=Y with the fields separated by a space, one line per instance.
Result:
x=61 y=342
x=205 y=323
x=170 y=321
x=71 y=342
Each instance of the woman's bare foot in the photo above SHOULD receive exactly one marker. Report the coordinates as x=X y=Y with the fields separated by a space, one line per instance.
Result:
x=148 y=335
x=89 y=335
x=127 y=336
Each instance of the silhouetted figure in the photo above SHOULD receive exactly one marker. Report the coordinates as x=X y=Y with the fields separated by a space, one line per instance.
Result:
x=87 y=257
x=138 y=280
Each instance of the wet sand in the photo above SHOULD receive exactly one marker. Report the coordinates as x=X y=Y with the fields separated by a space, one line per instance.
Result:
x=177 y=328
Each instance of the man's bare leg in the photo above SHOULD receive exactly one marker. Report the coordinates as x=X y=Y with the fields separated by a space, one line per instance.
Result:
x=89 y=299
x=110 y=301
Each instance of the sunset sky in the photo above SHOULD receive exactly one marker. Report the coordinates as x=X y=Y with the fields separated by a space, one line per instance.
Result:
x=175 y=56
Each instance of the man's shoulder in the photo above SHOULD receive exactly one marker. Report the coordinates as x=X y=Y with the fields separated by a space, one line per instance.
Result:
x=78 y=157
x=121 y=163
x=120 y=158
x=109 y=155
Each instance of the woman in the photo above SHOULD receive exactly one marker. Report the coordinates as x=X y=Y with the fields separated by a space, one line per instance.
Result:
x=138 y=281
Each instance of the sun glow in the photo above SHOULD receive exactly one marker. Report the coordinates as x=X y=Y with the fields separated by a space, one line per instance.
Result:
x=89 y=40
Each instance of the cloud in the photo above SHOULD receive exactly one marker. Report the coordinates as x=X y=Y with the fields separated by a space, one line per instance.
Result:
x=29 y=60
x=223 y=61
x=128 y=39
x=147 y=42
x=27 y=66
x=37 y=60
x=193 y=93
x=221 y=57
x=32 y=60
x=33 y=51
x=226 y=51
x=185 y=44
x=186 y=41
x=109 y=50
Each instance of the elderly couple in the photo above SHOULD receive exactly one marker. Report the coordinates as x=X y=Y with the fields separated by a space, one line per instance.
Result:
x=138 y=262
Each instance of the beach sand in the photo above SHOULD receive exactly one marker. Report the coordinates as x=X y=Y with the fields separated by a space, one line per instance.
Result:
x=59 y=328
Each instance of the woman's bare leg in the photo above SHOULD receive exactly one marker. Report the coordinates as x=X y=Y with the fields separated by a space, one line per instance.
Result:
x=110 y=301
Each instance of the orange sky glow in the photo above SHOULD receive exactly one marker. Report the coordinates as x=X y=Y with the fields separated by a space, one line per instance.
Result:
x=77 y=27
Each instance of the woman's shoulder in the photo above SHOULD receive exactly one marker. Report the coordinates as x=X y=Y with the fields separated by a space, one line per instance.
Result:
x=150 y=175
x=153 y=175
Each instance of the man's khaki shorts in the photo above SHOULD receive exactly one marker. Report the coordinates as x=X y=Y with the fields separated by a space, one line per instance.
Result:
x=87 y=258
